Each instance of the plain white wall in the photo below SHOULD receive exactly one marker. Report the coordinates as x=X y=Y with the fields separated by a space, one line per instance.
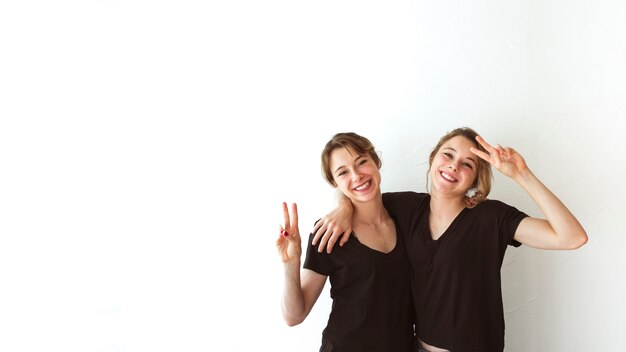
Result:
x=145 y=147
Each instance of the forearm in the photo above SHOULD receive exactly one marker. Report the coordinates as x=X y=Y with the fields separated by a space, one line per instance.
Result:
x=293 y=306
x=564 y=226
x=343 y=201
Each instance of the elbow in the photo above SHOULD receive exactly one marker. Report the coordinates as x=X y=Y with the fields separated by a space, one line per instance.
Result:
x=291 y=321
x=583 y=240
x=580 y=240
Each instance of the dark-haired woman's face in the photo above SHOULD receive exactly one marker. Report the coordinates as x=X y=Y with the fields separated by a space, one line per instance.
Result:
x=357 y=176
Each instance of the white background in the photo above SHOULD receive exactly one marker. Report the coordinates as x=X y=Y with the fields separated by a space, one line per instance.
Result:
x=145 y=147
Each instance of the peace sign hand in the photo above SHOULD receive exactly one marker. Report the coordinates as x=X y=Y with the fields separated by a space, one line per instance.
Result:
x=289 y=242
x=506 y=159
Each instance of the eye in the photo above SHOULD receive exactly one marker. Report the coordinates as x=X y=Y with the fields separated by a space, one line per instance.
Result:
x=341 y=173
x=468 y=165
x=361 y=162
x=447 y=155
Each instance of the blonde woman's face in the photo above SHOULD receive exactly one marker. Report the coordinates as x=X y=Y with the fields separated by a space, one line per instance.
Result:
x=454 y=167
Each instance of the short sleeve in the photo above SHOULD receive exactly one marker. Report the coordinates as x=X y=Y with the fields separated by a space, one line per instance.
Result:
x=510 y=220
x=319 y=262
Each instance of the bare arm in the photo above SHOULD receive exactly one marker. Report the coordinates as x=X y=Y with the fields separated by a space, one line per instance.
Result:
x=299 y=295
x=560 y=229
x=337 y=223
x=300 y=291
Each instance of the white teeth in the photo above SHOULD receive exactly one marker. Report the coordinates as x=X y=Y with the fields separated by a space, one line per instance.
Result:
x=448 y=177
x=363 y=186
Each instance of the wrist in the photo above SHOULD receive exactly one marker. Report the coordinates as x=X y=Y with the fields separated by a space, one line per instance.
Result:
x=524 y=176
x=292 y=264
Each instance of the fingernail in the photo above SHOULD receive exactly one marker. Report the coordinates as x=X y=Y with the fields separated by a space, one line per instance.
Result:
x=285 y=233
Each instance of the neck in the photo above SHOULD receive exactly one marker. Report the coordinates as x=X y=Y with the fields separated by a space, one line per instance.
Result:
x=371 y=212
x=443 y=206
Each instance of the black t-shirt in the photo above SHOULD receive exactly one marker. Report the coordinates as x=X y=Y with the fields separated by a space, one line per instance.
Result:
x=456 y=279
x=372 y=306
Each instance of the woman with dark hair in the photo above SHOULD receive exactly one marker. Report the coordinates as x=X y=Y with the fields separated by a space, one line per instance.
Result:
x=372 y=307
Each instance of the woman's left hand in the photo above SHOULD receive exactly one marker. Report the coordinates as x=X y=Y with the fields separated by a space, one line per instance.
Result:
x=505 y=159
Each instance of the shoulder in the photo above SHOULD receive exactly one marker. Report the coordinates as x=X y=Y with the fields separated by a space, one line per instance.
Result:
x=406 y=196
x=490 y=204
x=497 y=208
x=405 y=205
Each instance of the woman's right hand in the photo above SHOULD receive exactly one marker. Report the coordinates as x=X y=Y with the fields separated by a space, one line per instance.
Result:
x=505 y=159
x=288 y=243
x=337 y=223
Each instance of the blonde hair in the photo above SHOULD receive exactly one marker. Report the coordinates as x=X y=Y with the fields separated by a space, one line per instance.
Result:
x=360 y=144
x=483 y=170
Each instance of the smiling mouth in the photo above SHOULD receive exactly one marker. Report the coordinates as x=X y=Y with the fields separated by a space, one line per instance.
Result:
x=363 y=186
x=447 y=176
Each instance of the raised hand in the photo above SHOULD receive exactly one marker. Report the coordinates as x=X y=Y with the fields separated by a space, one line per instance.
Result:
x=505 y=159
x=288 y=243
x=560 y=229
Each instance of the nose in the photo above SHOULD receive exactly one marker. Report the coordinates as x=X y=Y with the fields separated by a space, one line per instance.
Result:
x=356 y=176
x=452 y=165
